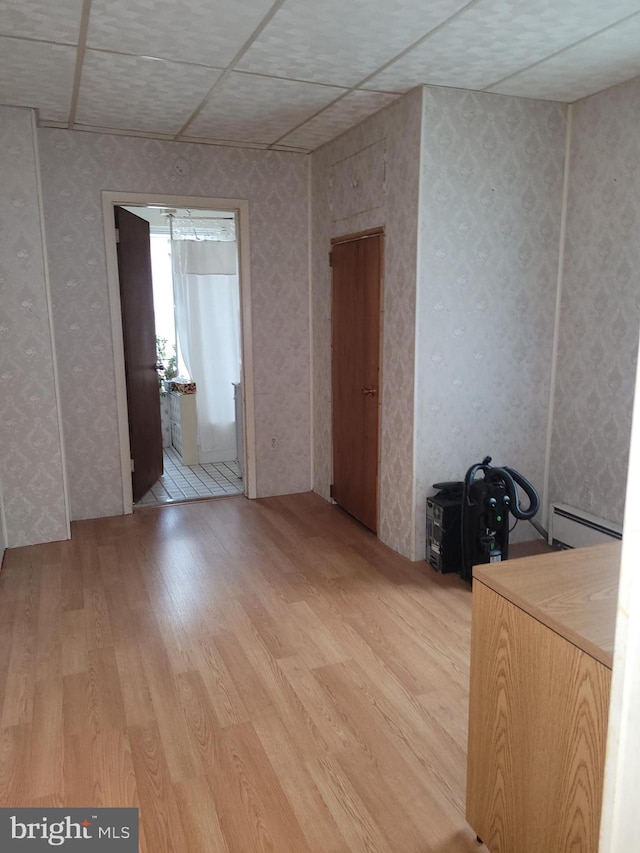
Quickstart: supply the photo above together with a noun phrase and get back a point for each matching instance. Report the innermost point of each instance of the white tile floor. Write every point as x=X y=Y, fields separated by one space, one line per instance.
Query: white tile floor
x=186 y=483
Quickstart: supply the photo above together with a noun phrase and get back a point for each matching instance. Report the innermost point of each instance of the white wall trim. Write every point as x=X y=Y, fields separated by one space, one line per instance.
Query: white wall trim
x=556 y=322
x=52 y=341
x=416 y=345
x=239 y=206
x=3 y=526
x=619 y=826
x=312 y=455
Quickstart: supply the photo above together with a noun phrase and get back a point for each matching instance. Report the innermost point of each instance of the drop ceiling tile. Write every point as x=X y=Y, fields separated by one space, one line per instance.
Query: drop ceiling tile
x=195 y=31
x=337 y=118
x=140 y=93
x=497 y=38
x=342 y=43
x=604 y=60
x=249 y=108
x=49 y=20
x=36 y=74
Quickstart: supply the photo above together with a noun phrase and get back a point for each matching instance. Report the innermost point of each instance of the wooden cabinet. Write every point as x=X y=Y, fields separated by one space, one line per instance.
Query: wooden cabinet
x=541 y=655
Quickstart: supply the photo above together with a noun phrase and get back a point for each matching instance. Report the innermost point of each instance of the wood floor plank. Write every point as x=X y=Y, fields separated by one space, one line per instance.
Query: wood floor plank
x=46 y=746
x=15 y=783
x=97 y=618
x=48 y=658
x=253 y=809
x=179 y=752
x=384 y=801
x=245 y=678
x=159 y=811
x=17 y=705
x=202 y=722
x=136 y=696
x=313 y=815
x=253 y=675
x=398 y=751
x=333 y=725
x=354 y=820
x=71 y=585
x=74 y=652
x=281 y=694
x=199 y=818
x=225 y=699
x=114 y=781
x=327 y=644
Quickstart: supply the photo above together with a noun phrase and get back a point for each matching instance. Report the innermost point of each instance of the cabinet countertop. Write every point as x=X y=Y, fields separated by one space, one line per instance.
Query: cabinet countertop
x=574 y=593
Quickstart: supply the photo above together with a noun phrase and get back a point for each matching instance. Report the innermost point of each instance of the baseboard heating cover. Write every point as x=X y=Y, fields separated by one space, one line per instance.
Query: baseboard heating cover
x=576 y=529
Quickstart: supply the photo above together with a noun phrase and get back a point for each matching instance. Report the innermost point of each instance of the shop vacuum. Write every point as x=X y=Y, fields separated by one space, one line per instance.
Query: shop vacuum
x=468 y=521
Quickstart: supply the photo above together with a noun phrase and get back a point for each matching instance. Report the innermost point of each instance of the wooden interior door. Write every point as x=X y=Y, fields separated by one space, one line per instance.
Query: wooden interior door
x=139 y=337
x=356 y=294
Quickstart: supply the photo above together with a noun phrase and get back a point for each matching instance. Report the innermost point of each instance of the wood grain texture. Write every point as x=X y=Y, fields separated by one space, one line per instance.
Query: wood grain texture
x=355 y=375
x=253 y=675
x=572 y=592
x=537 y=733
x=140 y=354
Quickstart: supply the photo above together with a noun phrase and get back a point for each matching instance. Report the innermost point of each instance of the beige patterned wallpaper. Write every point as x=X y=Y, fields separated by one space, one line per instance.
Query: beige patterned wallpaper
x=76 y=167
x=600 y=311
x=30 y=444
x=366 y=178
x=490 y=221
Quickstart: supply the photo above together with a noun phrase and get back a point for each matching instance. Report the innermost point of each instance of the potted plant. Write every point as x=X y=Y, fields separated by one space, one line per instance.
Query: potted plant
x=168 y=362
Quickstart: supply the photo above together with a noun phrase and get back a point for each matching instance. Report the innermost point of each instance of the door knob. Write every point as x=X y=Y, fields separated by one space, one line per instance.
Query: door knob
x=369 y=391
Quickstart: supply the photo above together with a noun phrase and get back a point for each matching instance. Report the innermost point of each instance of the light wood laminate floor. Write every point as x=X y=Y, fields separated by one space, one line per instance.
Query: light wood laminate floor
x=253 y=675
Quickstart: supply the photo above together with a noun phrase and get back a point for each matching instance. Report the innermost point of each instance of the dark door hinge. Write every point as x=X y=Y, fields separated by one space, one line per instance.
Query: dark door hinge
x=330 y=259
x=331 y=488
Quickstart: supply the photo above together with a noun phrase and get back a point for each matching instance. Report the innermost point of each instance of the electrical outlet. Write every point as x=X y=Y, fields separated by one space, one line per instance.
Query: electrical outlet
x=274 y=442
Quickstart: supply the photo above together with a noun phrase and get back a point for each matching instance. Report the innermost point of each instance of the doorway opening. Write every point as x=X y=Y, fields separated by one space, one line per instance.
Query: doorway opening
x=196 y=298
x=200 y=366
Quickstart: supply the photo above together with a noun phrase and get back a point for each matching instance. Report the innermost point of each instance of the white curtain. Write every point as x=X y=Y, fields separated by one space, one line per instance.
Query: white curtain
x=207 y=303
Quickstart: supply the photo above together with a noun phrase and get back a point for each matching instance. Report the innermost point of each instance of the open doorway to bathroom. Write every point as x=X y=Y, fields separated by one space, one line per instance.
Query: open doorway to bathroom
x=194 y=271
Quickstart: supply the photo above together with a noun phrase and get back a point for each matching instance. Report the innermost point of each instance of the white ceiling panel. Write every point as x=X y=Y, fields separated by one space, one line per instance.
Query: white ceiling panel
x=347 y=112
x=341 y=43
x=37 y=74
x=50 y=20
x=206 y=31
x=277 y=66
x=259 y=109
x=496 y=38
x=604 y=60
x=139 y=93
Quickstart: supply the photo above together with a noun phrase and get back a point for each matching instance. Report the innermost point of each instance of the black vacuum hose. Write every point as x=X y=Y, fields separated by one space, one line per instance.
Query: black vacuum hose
x=510 y=477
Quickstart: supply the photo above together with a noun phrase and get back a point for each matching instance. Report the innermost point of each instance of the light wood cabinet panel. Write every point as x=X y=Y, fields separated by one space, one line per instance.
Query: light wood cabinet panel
x=537 y=727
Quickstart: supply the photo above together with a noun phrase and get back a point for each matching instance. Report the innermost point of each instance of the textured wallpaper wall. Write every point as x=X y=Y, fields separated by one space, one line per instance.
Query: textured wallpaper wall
x=30 y=448
x=600 y=310
x=366 y=178
x=490 y=217
x=76 y=167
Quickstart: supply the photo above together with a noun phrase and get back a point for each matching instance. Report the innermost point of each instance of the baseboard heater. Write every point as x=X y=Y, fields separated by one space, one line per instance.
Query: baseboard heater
x=574 y=528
